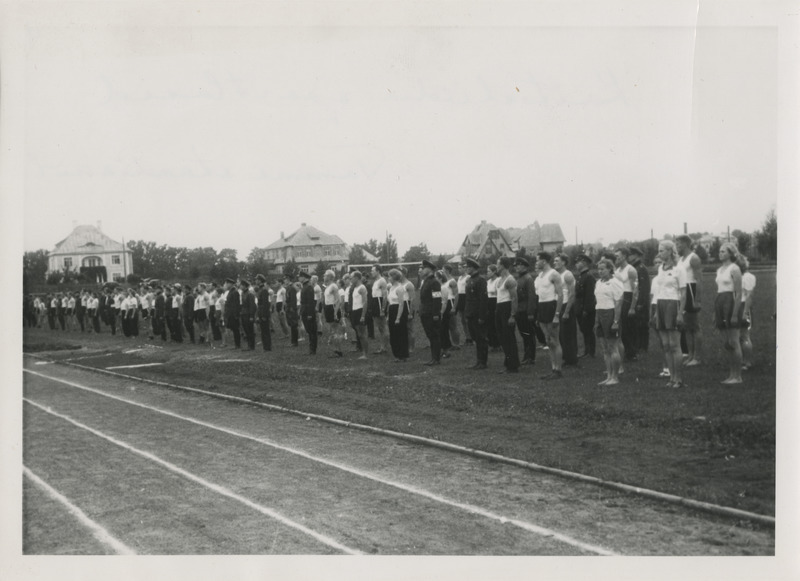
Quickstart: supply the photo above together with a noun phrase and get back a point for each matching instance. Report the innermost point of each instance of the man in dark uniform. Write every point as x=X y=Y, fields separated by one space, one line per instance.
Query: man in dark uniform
x=174 y=314
x=233 y=307
x=585 y=304
x=476 y=311
x=159 y=314
x=525 y=316
x=642 y=316
x=187 y=308
x=308 y=312
x=248 y=313
x=290 y=306
x=430 y=309
x=108 y=310
x=264 y=312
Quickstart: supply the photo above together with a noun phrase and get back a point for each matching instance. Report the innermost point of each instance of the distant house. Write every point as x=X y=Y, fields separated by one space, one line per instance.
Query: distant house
x=535 y=238
x=307 y=246
x=484 y=241
x=87 y=250
x=707 y=241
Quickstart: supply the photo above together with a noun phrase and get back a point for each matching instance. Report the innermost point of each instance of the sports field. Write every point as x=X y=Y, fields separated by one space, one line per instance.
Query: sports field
x=706 y=442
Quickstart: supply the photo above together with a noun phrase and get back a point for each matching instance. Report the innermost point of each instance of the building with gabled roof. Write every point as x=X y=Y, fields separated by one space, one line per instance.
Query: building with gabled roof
x=535 y=238
x=307 y=246
x=88 y=250
x=484 y=241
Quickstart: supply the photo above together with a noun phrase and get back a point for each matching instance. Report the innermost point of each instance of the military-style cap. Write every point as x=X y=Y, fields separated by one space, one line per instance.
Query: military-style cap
x=230 y=280
x=261 y=278
x=521 y=262
x=428 y=264
x=583 y=258
x=636 y=250
x=244 y=281
x=472 y=262
x=303 y=274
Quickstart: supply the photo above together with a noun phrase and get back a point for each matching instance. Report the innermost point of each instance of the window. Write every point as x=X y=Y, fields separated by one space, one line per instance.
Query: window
x=115 y=259
x=327 y=251
x=68 y=262
x=304 y=268
x=117 y=276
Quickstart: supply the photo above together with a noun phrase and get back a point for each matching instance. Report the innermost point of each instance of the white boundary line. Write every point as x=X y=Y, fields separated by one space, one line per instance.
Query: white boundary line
x=132 y=366
x=100 y=533
x=210 y=485
x=726 y=511
x=545 y=532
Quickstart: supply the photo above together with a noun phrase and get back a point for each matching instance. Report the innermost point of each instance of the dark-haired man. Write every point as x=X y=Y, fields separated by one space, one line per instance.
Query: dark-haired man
x=691 y=335
x=629 y=278
x=585 y=304
x=308 y=311
x=476 y=310
x=525 y=315
x=642 y=306
x=551 y=297
x=568 y=329
x=430 y=308
x=264 y=312
x=247 y=313
x=504 y=314
x=233 y=309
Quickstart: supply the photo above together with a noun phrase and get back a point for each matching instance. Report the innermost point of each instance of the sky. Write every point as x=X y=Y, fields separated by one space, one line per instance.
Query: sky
x=226 y=135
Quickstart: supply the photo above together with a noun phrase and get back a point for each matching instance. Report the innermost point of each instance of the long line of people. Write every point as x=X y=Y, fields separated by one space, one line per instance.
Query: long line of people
x=547 y=307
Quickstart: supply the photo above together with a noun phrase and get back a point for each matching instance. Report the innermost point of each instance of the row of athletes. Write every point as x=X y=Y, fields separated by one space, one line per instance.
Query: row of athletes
x=552 y=305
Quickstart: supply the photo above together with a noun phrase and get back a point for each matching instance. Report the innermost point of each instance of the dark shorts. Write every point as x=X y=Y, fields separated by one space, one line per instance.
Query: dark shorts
x=376 y=306
x=604 y=318
x=462 y=303
x=329 y=314
x=200 y=316
x=667 y=315
x=356 y=317
x=546 y=312
x=723 y=310
x=691 y=292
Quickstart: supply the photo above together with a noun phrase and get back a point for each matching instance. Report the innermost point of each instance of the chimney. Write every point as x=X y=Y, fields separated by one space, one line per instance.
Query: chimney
x=99 y=224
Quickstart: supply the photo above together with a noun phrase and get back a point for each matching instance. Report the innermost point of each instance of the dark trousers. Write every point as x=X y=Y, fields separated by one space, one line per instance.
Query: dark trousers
x=444 y=328
x=526 y=329
x=642 y=330
x=51 y=320
x=249 y=329
x=159 y=328
x=433 y=332
x=188 y=324
x=133 y=324
x=291 y=320
x=126 y=328
x=96 y=323
x=508 y=336
x=586 y=325
x=628 y=332
x=478 y=333
x=216 y=333
x=568 y=336
x=112 y=321
x=266 y=337
x=398 y=332
x=491 y=327
x=310 y=325
x=175 y=328
x=62 y=321
x=81 y=315
x=370 y=324
x=233 y=325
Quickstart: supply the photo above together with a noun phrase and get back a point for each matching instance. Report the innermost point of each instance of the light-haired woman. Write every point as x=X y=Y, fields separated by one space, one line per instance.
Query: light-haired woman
x=608 y=292
x=726 y=309
x=670 y=305
x=398 y=316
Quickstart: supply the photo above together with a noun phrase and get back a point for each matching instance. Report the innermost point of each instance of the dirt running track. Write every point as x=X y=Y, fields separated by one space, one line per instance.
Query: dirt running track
x=115 y=465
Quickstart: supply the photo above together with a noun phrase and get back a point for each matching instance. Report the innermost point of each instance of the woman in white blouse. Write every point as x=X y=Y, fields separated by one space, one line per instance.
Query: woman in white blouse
x=726 y=309
x=608 y=294
x=398 y=316
x=745 y=315
x=670 y=289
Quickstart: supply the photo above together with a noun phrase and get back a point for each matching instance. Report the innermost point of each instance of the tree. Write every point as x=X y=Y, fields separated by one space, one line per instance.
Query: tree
x=701 y=253
x=768 y=236
x=320 y=269
x=743 y=240
x=417 y=253
x=713 y=250
x=387 y=251
x=291 y=269
x=356 y=256
x=34 y=267
x=201 y=262
x=257 y=262
x=226 y=265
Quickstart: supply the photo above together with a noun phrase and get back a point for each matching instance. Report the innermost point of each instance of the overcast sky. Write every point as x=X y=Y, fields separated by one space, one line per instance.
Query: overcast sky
x=224 y=136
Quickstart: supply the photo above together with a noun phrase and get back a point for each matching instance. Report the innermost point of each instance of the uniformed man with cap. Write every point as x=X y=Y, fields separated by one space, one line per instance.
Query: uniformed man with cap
x=233 y=309
x=188 y=311
x=159 y=314
x=430 y=308
x=585 y=304
x=476 y=311
x=308 y=311
x=642 y=316
x=247 y=313
x=264 y=312
x=526 y=310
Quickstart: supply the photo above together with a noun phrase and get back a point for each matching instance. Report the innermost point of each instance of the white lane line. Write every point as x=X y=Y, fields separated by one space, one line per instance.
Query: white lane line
x=87 y=357
x=43 y=362
x=411 y=489
x=100 y=533
x=230 y=360
x=132 y=366
x=133 y=350
x=210 y=485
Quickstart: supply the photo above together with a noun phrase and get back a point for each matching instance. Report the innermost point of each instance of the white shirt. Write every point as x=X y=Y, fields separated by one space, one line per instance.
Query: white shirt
x=670 y=282
x=397 y=294
x=748 y=285
x=462 y=284
x=331 y=292
x=377 y=290
x=684 y=262
x=607 y=292
x=93 y=303
x=725 y=278
x=503 y=294
x=358 y=298
x=71 y=303
x=343 y=295
x=491 y=288
x=623 y=275
x=281 y=295
x=545 y=288
x=317 y=292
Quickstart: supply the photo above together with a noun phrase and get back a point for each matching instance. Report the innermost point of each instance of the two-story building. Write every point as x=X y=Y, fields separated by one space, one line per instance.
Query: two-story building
x=307 y=246
x=87 y=250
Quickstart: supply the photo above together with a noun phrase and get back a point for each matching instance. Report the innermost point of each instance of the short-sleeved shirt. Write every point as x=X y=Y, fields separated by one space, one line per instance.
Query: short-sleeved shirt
x=669 y=282
x=607 y=292
x=748 y=285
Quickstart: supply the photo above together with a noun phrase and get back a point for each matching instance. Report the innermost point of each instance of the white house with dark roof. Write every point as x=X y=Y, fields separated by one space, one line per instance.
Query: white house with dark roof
x=535 y=238
x=88 y=248
x=307 y=246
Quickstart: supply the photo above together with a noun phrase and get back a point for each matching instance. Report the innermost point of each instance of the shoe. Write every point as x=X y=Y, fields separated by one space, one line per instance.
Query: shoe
x=526 y=362
x=479 y=366
x=445 y=356
x=555 y=374
x=431 y=362
x=664 y=373
x=582 y=356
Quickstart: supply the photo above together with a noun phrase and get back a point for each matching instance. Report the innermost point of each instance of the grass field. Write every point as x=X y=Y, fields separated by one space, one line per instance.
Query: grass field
x=709 y=442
